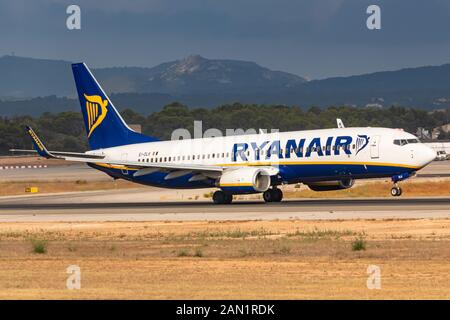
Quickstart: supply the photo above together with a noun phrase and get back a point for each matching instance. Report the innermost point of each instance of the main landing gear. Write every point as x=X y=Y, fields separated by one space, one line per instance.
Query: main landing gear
x=396 y=191
x=273 y=195
x=220 y=197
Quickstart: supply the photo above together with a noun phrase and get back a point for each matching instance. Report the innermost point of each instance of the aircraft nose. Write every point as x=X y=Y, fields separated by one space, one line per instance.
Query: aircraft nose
x=428 y=154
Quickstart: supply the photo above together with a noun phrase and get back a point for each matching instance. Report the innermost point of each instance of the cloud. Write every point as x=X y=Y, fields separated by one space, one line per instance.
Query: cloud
x=291 y=35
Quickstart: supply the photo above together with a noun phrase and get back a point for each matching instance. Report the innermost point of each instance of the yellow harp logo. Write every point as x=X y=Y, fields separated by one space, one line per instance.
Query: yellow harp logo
x=96 y=111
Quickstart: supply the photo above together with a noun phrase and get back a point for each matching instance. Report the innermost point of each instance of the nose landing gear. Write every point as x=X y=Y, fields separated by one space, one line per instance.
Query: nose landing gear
x=273 y=195
x=396 y=191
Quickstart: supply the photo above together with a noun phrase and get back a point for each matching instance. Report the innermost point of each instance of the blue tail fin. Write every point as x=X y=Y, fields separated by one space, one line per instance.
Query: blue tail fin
x=104 y=125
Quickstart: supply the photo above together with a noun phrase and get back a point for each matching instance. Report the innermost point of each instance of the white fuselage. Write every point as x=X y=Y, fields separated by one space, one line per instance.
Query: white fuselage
x=271 y=149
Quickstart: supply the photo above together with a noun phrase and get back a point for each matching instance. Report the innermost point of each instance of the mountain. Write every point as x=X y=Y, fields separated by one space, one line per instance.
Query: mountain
x=200 y=82
x=26 y=77
x=426 y=87
x=197 y=75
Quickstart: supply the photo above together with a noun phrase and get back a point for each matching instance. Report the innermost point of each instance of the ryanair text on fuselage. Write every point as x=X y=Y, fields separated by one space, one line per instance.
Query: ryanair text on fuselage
x=267 y=149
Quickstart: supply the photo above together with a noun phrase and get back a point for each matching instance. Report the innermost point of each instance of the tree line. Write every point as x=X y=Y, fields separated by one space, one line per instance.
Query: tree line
x=65 y=131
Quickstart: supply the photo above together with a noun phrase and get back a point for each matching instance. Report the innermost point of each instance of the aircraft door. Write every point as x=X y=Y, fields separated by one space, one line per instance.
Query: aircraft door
x=375 y=147
x=124 y=158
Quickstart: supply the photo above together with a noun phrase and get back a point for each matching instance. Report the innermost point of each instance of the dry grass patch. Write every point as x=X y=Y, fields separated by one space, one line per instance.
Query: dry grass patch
x=383 y=229
x=18 y=187
x=319 y=234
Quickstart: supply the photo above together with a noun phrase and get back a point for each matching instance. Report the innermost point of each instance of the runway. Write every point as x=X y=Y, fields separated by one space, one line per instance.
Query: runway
x=130 y=205
x=153 y=204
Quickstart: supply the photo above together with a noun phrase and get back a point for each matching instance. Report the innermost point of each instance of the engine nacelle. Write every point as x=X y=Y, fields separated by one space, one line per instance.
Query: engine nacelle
x=244 y=180
x=331 y=185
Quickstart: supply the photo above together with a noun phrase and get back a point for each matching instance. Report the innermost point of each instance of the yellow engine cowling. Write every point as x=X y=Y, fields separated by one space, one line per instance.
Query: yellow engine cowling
x=244 y=180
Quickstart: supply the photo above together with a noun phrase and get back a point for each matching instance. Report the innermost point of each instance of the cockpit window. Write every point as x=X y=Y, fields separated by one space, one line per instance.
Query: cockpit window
x=402 y=142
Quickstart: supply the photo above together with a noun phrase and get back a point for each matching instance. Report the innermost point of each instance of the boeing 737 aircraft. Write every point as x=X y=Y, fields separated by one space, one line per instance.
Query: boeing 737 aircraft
x=328 y=159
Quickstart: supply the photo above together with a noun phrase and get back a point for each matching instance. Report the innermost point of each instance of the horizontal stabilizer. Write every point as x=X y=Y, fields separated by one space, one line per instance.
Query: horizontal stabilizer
x=62 y=154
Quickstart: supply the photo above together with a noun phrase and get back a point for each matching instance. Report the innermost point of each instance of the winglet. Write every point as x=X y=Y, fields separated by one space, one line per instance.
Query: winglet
x=38 y=145
x=340 y=123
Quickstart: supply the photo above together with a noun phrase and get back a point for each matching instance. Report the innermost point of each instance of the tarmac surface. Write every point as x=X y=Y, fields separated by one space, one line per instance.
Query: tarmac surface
x=146 y=204
x=143 y=205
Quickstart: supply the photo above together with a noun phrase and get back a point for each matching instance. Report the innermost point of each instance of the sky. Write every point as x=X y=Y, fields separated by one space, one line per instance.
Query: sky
x=315 y=39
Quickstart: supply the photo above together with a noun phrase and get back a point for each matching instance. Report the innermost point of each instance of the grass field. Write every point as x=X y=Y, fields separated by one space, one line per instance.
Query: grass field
x=225 y=260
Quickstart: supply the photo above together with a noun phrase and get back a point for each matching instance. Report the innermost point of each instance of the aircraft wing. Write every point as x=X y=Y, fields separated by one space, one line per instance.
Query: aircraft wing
x=142 y=168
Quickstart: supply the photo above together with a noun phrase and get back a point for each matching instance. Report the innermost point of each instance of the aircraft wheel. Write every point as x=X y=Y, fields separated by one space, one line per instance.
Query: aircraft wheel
x=268 y=196
x=277 y=195
x=228 y=198
x=396 y=191
x=273 y=195
x=219 y=197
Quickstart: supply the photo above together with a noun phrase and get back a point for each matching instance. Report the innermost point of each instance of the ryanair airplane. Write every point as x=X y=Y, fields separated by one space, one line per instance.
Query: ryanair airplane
x=328 y=159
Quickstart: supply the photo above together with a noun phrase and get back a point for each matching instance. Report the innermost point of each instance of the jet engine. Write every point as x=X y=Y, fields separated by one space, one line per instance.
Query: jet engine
x=331 y=185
